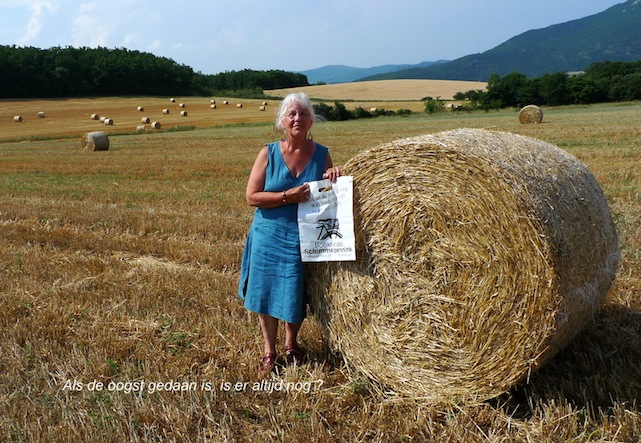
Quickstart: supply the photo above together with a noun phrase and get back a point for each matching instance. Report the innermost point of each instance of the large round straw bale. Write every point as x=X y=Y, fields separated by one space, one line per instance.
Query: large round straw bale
x=140 y=129
x=95 y=141
x=95 y=116
x=155 y=125
x=17 y=118
x=165 y=111
x=184 y=113
x=479 y=256
x=41 y=114
x=108 y=121
x=530 y=114
x=145 y=120
x=140 y=108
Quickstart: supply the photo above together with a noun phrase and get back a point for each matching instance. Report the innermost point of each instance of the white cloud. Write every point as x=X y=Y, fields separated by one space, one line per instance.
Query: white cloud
x=34 y=27
x=155 y=45
x=130 y=40
x=90 y=31
x=87 y=7
x=91 y=27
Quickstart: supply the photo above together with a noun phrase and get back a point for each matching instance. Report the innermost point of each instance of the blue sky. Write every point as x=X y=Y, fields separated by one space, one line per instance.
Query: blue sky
x=214 y=36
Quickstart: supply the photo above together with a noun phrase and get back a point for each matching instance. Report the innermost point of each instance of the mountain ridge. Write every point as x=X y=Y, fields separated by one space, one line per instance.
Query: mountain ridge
x=611 y=35
x=345 y=74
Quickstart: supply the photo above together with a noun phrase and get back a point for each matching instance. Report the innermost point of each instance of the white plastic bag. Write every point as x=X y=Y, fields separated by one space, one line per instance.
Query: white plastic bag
x=326 y=221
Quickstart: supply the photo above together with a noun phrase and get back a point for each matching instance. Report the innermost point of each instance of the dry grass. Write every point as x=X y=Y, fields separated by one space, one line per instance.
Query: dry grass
x=385 y=90
x=121 y=266
x=67 y=117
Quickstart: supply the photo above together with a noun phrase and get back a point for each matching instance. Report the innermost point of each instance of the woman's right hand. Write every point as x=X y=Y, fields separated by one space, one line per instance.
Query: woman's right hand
x=298 y=194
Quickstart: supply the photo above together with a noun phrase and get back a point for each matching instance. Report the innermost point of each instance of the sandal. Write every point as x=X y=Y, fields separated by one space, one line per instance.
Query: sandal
x=294 y=355
x=267 y=363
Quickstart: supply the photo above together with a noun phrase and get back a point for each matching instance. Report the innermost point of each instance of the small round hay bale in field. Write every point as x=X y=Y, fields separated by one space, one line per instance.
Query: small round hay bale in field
x=95 y=116
x=212 y=106
x=95 y=141
x=155 y=125
x=239 y=105
x=181 y=105
x=225 y=102
x=140 y=108
x=102 y=119
x=184 y=113
x=262 y=108
x=41 y=114
x=173 y=100
x=165 y=111
x=530 y=114
x=140 y=129
x=479 y=256
x=17 y=118
x=212 y=102
x=145 y=120
x=108 y=121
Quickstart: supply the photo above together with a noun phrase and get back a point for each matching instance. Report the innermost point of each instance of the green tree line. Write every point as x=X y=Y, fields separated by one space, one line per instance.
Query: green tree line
x=28 y=72
x=599 y=83
x=339 y=112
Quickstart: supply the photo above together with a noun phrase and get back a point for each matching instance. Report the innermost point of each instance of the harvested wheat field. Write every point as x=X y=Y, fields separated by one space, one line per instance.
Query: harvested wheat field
x=66 y=117
x=119 y=317
x=385 y=90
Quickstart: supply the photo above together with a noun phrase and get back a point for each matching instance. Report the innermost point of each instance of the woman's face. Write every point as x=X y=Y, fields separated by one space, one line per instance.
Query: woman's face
x=298 y=121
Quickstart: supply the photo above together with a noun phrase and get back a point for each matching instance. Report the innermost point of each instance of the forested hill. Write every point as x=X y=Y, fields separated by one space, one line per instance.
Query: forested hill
x=28 y=72
x=612 y=35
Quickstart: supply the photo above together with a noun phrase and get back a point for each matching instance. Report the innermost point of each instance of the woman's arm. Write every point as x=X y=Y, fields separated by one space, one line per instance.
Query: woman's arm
x=256 y=195
x=331 y=172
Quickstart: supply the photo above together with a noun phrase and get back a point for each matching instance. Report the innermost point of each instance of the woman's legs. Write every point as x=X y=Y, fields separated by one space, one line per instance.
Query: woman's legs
x=293 y=354
x=269 y=328
x=291 y=334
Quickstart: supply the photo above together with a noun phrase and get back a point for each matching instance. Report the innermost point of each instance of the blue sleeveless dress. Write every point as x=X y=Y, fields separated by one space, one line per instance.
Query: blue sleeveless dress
x=272 y=273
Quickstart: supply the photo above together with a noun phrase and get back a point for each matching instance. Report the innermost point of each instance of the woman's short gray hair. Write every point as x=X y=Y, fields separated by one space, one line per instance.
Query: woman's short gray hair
x=292 y=99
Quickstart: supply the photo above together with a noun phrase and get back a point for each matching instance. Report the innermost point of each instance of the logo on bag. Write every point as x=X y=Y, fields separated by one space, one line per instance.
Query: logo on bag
x=328 y=229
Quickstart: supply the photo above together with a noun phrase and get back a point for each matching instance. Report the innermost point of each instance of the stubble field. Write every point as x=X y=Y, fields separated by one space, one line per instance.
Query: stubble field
x=120 y=320
x=386 y=90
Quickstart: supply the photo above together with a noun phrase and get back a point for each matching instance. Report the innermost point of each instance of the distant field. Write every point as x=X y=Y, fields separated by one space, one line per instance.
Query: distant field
x=69 y=117
x=387 y=90
x=73 y=116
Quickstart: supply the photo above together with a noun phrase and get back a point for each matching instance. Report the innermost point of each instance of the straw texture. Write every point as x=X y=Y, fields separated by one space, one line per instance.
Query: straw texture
x=95 y=141
x=479 y=256
x=530 y=114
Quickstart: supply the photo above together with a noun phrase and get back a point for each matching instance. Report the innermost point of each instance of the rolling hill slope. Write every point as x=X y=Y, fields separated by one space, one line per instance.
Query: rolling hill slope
x=612 y=35
x=342 y=74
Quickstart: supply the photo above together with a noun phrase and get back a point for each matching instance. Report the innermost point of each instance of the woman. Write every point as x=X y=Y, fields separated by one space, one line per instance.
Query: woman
x=272 y=272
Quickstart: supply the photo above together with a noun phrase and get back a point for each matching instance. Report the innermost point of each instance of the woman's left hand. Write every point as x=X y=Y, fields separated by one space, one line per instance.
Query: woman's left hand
x=332 y=173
